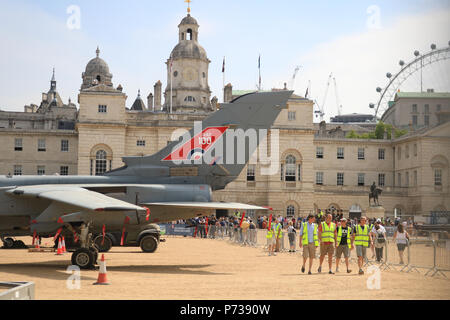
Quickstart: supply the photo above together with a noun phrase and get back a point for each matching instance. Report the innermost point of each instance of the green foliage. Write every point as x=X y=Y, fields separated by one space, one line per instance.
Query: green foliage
x=352 y=135
x=380 y=129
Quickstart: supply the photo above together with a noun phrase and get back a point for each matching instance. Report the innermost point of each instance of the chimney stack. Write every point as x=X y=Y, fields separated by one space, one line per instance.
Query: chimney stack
x=150 y=102
x=157 y=98
x=228 y=93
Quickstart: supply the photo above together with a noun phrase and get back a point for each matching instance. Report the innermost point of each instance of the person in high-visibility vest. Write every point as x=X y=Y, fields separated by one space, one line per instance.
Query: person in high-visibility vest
x=309 y=241
x=327 y=236
x=278 y=233
x=271 y=239
x=343 y=243
x=361 y=239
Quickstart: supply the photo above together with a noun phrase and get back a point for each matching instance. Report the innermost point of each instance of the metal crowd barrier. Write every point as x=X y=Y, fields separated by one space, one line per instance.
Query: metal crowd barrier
x=433 y=255
x=17 y=291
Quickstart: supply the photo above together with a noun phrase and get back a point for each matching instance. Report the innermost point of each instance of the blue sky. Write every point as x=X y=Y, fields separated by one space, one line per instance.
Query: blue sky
x=136 y=38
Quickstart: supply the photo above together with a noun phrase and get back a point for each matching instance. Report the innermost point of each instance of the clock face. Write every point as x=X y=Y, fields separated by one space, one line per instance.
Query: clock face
x=189 y=74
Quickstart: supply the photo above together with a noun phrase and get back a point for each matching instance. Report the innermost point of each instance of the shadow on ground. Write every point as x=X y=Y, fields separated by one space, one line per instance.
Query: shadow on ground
x=56 y=270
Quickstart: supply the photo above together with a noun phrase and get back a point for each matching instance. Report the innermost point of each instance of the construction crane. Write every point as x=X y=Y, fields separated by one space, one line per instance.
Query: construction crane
x=321 y=111
x=338 y=101
x=292 y=82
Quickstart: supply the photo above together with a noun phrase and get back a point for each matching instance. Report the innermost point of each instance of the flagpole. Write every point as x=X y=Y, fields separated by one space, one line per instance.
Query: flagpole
x=223 y=79
x=170 y=86
x=259 y=68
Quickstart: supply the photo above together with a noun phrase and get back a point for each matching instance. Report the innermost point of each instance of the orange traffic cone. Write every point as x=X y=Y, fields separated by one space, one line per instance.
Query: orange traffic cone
x=63 y=245
x=102 y=272
x=59 y=251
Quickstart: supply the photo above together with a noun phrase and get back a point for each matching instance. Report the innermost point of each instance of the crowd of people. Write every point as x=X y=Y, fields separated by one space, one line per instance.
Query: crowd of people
x=335 y=235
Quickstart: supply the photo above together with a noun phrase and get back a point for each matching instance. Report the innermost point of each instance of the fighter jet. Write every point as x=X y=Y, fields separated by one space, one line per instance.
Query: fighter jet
x=174 y=183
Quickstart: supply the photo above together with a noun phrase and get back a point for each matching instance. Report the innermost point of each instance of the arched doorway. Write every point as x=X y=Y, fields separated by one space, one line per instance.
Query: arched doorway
x=355 y=211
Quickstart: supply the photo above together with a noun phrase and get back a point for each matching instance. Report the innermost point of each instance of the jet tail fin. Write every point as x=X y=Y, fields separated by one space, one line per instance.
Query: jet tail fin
x=220 y=146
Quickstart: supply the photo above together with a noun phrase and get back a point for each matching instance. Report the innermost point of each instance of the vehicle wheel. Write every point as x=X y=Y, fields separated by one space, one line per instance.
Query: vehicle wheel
x=19 y=244
x=8 y=243
x=149 y=244
x=84 y=258
x=107 y=244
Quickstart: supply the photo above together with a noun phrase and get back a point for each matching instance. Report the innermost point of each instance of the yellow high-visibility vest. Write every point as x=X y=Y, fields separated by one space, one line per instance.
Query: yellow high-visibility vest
x=362 y=237
x=278 y=228
x=305 y=235
x=339 y=236
x=328 y=232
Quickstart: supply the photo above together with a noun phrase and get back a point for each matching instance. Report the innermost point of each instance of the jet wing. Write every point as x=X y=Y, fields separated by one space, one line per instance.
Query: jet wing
x=207 y=205
x=75 y=196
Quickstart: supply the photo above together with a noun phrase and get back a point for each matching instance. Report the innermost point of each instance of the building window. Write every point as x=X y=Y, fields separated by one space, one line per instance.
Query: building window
x=41 y=145
x=291 y=115
x=407 y=179
x=340 y=153
x=426 y=120
x=251 y=172
x=380 y=154
x=426 y=109
x=361 y=179
x=40 y=170
x=64 y=170
x=415 y=150
x=100 y=162
x=414 y=108
x=414 y=120
x=290 y=168
x=189 y=99
x=399 y=179
x=319 y=152
x=438 y=107
x=381 y=179
x=399 y=153
x=290 y=211
x=17 y=170
x=415 y=178
x=18 y=144
x=64 y=145
x=361 y=154
x=438 y=177
x=140 y=143
x=102 y=108
x=319 y=178
x=407 y=152
x=340 y=179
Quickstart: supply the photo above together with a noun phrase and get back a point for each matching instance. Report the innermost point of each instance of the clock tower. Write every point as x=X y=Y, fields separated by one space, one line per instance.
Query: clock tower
x=187 y=73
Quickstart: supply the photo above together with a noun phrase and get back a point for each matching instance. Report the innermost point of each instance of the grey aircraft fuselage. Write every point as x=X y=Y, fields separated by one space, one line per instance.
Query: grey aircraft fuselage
x=142 y=180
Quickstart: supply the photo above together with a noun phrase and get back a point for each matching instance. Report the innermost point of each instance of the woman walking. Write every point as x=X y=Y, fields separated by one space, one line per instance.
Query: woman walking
x=402 y=238
x=291 y=236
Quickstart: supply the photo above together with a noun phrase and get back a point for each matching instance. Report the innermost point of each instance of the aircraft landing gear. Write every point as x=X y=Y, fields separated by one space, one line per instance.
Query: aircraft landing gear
x=8 y=243
x=86 y=256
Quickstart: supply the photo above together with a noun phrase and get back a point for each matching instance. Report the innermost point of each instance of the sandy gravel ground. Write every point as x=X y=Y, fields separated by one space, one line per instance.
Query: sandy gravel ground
x=199 y=269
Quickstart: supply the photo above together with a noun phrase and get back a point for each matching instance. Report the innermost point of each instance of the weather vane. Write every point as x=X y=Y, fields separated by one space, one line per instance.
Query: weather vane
x=189 y=5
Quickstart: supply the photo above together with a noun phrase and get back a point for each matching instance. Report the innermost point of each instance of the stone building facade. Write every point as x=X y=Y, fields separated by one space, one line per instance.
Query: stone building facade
x=418 y=109
x=319 y=168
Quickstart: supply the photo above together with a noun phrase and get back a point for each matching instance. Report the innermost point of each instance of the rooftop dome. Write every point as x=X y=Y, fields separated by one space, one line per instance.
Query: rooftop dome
x=96 y=73
x=188 y=20
x=97 y=66
x=188 y=49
